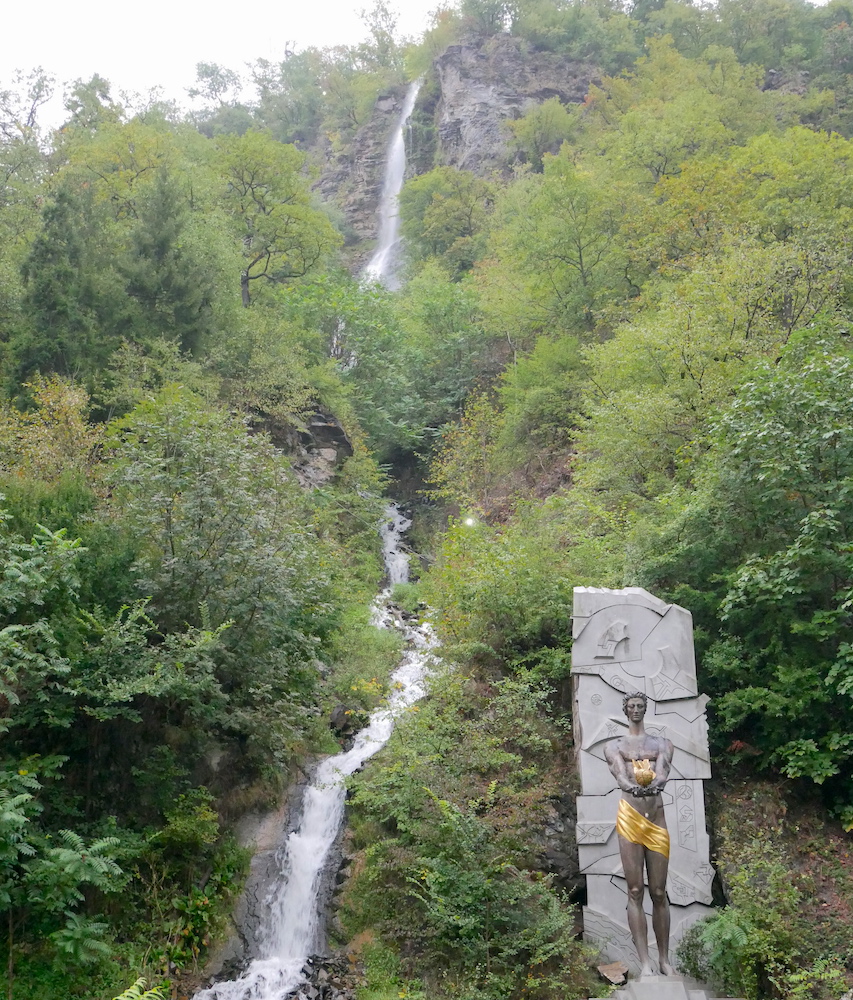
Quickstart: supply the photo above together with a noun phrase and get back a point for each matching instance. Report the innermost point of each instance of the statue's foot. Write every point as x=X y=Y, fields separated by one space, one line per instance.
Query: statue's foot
x=666 y=969
x=646 y=969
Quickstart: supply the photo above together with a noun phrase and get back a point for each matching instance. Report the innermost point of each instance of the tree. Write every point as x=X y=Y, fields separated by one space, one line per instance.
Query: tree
x=487 y=17
x=543 y=130
x=63 y=295
x=558 y=255
x=443 y=214
x=166 y=272
x=289 y=102
x=283 y=236
x=220 y=89
x=91 y=106
x=42 y=882
x=383 y=49
x=763 y=547
x=658 y=382
x=51 y=438
x=22 y=163
x=216 y=84
x=221 y=539
x=671 y=110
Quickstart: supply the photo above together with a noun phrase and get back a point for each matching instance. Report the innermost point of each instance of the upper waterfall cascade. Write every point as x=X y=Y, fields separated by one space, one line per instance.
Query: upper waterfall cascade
x=292 y=926
x=384 y=262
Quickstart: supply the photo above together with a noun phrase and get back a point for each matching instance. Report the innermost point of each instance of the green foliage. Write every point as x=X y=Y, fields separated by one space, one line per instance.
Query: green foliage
x=767 y=517
x=763 y=943
x=191 y=827
x=624 y=360
x=137 y=991
x=282 y=235
x=221 y=539
x=443 y=214
x=504 y=594
x=385 y=977
x=543 y=130
x=507 y=440
x=408 y=596
x=598 y=33
x=486 y=17
x=556 y=252
x=32 y=662
x=823 y=978
x=167 y=272
x=540 y=396
x=64 y=287
x=362 y=661
x=445 y=821
x=739 y=946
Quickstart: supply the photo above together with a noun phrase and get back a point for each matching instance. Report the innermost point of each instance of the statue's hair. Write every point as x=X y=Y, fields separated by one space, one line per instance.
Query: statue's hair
x=635 y=694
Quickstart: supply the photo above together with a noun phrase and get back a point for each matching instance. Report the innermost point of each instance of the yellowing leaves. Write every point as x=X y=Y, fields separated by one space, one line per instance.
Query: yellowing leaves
x=51 y=438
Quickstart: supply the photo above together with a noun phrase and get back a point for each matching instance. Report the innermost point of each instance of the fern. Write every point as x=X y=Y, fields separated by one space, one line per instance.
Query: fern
x=135 y=992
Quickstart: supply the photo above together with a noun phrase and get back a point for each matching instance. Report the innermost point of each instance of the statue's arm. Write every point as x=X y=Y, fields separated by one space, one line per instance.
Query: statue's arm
x=662 y=767
x=618 y=767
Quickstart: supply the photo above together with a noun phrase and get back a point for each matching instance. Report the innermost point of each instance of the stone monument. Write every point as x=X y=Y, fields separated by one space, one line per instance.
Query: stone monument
x=629 y=643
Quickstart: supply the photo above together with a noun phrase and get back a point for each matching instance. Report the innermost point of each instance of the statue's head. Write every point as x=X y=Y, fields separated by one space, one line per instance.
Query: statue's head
x=634 y=696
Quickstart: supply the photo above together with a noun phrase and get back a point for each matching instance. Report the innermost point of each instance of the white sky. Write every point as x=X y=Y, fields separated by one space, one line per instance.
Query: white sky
x=138 y=46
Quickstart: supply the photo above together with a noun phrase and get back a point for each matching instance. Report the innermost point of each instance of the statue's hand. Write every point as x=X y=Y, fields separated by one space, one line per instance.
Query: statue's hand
x=638 y=791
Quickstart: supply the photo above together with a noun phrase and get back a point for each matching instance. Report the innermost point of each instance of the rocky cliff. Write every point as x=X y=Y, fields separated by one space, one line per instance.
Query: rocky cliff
x=485 y=84
x=459 y=120
x=352 y=178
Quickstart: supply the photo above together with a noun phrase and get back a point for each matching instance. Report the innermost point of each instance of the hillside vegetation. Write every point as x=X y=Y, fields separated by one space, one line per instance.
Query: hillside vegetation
x=621 y=358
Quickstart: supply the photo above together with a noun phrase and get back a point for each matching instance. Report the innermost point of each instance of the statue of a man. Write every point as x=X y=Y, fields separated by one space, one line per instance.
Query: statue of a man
x=640 y=764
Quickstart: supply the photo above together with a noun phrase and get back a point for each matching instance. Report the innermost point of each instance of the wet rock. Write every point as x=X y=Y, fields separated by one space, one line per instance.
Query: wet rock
x=790 y=81
x=557 y=849
x=484 y=84
x=341 y=720
x=353 y=176
x=317 y=446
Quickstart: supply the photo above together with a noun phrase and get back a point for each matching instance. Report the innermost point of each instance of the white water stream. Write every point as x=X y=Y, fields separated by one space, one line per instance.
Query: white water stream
x=383 y=264
x=291 y=930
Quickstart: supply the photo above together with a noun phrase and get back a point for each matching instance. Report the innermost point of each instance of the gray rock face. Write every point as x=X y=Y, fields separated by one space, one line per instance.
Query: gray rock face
x=484 y=85
x=318 y=447
x=353 y=177
x=459 y=120
x=626 y=641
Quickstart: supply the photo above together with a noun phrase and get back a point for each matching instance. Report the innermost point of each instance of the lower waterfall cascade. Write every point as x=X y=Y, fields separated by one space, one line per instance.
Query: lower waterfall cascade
x=292 y=925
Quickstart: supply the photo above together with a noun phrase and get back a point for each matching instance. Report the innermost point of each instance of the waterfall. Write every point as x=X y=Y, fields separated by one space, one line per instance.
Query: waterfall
x=383 y=264
x=291 y=930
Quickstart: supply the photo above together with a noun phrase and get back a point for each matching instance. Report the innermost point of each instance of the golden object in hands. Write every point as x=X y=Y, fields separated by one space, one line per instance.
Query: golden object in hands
x=643 y=773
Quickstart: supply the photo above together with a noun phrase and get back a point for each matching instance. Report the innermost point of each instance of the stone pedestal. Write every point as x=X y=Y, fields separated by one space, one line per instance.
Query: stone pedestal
x=626 y=641
x=664 y=988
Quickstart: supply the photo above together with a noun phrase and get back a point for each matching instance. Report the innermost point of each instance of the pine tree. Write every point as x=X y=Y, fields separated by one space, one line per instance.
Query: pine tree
x=170 y=283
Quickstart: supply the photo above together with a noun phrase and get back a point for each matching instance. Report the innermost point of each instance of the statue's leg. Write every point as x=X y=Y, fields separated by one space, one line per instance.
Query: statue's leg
x=657 y=866
x=632 y=865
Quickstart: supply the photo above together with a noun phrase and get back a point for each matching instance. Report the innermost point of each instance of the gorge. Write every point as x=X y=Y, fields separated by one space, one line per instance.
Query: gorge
x=619 y=358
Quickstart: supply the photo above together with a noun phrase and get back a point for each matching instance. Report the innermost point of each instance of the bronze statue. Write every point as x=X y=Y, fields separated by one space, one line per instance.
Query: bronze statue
x=640 y=764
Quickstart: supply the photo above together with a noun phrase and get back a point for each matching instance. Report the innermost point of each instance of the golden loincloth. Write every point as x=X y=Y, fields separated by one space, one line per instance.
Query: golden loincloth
x=638 y=830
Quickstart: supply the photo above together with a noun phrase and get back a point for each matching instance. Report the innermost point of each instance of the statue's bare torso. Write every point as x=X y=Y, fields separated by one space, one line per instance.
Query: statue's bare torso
x=620 y=754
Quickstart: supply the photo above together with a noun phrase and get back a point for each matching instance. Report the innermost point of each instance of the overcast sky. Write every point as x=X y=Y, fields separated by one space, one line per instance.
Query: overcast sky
x=138 y=46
